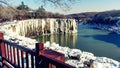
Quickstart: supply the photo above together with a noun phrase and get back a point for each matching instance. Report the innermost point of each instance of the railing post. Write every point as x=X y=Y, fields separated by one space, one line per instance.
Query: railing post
x=2 y=47
x=1 y=38
x=1 y=35
x=38 y=59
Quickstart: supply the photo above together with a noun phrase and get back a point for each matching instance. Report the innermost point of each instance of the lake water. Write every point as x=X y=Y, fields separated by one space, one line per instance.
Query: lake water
x=99 y=42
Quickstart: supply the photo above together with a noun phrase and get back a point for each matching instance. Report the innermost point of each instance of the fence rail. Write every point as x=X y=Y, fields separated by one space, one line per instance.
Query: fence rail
x=17 y=56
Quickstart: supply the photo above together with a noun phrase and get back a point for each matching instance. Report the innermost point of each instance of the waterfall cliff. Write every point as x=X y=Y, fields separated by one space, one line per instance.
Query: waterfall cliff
x=42 y=26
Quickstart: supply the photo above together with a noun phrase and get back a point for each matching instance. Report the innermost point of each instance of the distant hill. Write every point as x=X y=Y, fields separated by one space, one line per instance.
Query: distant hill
x=106 y=17
x=86 y=16
x=83 y=15
x=113 y=13
x=97 y=17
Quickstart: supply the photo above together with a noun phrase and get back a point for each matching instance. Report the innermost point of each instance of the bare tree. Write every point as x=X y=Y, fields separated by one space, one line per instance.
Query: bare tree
x=9 y=12
x=3 y=2
x=63 y=4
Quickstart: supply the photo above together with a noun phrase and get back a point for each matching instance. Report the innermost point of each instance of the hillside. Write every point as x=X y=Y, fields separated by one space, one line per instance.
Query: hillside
x=107 y=17
x=83 y=15
x=113 y=13
x=97 y=17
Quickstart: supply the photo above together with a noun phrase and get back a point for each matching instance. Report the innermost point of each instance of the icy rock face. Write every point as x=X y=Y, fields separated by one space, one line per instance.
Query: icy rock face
x=42 y=26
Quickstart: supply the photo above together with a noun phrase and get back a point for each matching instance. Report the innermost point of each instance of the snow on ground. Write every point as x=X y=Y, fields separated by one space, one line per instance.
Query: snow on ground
x=80 y=58
x=75 y=57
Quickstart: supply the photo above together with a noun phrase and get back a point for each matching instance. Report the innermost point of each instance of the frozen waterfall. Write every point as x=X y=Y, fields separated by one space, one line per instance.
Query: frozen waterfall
x=42 y=26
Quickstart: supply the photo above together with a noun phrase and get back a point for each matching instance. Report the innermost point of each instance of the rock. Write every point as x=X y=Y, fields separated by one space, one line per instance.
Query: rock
x=76 y=63
x=74 y=54
x=47 y=44
x=87 y=56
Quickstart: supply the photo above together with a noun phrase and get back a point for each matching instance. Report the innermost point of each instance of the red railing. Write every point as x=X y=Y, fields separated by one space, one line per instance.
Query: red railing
x=17 y=56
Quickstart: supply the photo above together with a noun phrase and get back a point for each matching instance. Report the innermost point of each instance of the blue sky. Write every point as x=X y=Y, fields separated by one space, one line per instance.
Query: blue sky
x=80 y=6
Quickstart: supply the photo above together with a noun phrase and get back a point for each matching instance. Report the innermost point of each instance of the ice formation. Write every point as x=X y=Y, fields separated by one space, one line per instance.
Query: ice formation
x=41 y=26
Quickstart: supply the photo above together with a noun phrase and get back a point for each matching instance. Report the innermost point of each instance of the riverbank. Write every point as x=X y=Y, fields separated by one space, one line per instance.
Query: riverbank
x=74 y=57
